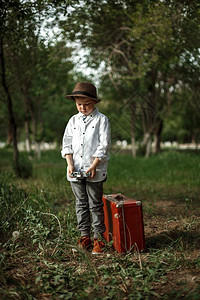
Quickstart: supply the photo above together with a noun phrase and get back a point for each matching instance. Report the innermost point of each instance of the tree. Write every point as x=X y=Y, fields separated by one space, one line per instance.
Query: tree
x=12 y=123
x=30 y=67
x=141 y=44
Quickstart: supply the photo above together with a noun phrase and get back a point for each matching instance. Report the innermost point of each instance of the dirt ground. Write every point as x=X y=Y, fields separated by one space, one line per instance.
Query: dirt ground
x=170 y=226
x=178 y=225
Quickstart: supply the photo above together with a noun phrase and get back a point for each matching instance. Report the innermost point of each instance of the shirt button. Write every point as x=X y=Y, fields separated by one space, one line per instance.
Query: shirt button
x=83 y=132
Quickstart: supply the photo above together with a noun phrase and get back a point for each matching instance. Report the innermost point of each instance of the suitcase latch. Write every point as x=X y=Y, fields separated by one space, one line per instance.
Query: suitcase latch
x=120 y=204
x=117 y=216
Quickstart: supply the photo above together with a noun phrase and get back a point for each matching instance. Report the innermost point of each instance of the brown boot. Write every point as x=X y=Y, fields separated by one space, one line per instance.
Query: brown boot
x=98 y=247
x=84 y=242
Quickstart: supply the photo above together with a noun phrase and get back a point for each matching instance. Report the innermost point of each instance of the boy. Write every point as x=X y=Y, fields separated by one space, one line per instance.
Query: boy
x=86 y=144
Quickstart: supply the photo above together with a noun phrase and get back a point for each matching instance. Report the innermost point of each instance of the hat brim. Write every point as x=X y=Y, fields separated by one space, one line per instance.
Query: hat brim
x=71 y=97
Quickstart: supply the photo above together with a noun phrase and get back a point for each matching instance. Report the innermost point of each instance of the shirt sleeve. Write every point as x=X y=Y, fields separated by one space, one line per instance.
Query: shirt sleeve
x=67 y=140
x=103 y=147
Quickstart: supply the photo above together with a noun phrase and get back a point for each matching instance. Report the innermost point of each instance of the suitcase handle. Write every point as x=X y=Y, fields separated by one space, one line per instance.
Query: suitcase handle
x=119 y=197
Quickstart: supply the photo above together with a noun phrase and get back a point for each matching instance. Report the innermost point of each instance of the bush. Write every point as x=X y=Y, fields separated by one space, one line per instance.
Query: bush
x=25 y=166
x=12 y=211
x=141 y=150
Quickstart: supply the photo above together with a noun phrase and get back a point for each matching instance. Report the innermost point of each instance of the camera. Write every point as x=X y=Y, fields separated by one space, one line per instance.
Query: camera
x=80 y=174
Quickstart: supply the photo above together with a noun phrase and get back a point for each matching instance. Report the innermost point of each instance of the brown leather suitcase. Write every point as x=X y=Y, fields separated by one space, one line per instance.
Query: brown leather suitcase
x=124 y=223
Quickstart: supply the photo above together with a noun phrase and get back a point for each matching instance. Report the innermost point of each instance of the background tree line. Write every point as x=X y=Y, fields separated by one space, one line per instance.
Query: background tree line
x=148 y=52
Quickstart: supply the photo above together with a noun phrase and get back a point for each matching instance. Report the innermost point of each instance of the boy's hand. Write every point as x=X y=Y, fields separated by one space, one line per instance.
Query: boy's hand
x=92 y=168
x=70 y=164
x=71 y=169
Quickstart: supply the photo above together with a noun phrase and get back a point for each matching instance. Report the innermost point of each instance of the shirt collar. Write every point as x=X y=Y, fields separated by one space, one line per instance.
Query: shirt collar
x=93 y=113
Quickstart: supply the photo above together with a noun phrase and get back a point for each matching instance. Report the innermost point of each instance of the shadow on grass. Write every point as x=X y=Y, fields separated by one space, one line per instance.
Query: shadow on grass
x=177 y=239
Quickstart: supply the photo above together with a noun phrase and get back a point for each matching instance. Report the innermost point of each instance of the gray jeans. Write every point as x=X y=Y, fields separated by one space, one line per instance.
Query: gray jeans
x=89 y=200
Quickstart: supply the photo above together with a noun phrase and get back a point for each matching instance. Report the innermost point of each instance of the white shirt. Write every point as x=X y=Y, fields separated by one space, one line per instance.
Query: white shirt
x=86 y=140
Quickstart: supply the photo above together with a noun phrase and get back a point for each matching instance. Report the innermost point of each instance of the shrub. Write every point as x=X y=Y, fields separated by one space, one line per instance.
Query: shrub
x=25 y=166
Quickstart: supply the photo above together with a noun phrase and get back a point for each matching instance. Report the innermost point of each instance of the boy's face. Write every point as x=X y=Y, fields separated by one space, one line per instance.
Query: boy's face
x=84 y=105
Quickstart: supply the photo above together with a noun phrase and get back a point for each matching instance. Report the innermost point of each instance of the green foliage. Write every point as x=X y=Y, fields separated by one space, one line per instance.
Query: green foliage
x=150 y=57
x=11 y=199
x=141 y=150
x=37 y=72
x=179 y=125
x=147 y=50
x=25 y=166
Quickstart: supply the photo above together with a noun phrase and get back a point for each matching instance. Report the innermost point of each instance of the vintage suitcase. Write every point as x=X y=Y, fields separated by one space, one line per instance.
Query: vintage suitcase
x=124 y=223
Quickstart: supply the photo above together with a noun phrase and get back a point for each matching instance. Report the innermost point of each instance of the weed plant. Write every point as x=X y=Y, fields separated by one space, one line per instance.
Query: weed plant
x=38 y=232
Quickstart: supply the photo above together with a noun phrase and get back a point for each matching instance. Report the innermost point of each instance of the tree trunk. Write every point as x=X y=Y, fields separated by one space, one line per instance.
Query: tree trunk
x=38 y=150
x=28 y=140
x=147 y=140
x=36 y=142
x=148 y=146
x=28 y=112
x=9 y=135
x=157 y=137
x=34 y=129
x=10 y=109
x=133 y=129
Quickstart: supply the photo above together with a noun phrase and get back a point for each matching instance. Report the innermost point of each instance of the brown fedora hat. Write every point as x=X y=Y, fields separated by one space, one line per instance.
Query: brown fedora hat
x=84 y=89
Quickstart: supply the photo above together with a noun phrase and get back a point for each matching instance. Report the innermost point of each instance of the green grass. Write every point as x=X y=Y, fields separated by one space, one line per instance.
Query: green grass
x=168 y=168
x=169 y=174
x=37 y=262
